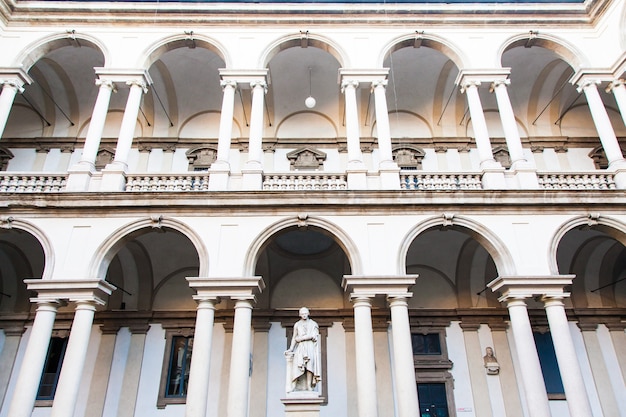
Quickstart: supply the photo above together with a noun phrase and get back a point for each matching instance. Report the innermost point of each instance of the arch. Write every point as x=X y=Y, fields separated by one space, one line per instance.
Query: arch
x=323 y=116
x=295 y=40
x=395 y=124
x=559 y=46
x=612 y=227
x=33 y=52
x=107 y=250
x=153 y=52
x=48 y=251
x=429 y=41
x=342 y=239
x=489 y=240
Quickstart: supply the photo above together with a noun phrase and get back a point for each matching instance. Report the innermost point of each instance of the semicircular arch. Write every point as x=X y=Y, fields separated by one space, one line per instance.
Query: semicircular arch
x=154 y=51
x=489 y=240
x=42 y=238
x=342 y=239
x=107 y=250
x=36 y=50
x=569 y=53
x=437 y=43
x=294 y=40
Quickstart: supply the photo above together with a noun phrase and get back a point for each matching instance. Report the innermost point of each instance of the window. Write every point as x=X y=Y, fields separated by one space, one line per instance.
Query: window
x=176 y=366
x=178 y=370
x=52 y=368
x=549 y=365
x=426 y=344
x=433 y=400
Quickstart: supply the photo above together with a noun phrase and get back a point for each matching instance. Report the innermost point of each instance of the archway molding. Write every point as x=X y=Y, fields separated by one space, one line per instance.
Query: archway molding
x=48 y=251
x=489 y=240
x=107 y=250
x=612 y=227
x=295 y=40
x=559 y=46
x=425 y=40
x=35 y=51
x=303 y=220
x=156 y=50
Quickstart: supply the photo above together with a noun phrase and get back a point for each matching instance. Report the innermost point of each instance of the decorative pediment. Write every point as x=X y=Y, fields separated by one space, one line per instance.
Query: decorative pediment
x=201 y=158
x=408 y=157
x=501 y=154
x=105 y=156
x=306 y=159
x=5 y=156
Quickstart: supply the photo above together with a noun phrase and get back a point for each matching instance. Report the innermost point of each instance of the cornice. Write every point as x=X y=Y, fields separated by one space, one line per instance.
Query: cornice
x=200 y=13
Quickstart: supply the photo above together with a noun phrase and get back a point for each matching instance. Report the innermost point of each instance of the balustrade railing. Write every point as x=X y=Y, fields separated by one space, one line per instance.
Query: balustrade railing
x=440 y=181
x=305 y=182
x=193 y=181
x=32 y=183
x=576 y=181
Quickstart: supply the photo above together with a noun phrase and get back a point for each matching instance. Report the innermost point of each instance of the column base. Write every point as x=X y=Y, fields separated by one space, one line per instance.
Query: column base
x=389 y=173
x=302 y=404
x=492 y=175
x=252 y=178
x=113 y=177
x=525 y=175
x=218 y=176
x=619 y=173
x=79 y=177
x=357 y=175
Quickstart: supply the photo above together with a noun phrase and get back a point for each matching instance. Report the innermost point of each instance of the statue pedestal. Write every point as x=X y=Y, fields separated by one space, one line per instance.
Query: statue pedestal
x=302 y=404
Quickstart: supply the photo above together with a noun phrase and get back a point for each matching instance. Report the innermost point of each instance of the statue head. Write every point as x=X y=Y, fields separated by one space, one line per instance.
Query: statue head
x=303 y=312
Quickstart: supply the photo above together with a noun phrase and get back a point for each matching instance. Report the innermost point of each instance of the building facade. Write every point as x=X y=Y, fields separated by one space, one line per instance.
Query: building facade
x=441 y=184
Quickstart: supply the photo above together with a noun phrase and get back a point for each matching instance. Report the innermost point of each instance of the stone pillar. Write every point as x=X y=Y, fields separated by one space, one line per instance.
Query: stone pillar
x=132 y=371
x=239 y=383
x=72 y=368
x=113 y=174
x=493 y=176
x=201 y=359
x=388 y=168
x=356 y=168
x=102 y=371
x=577 y=400
x=618 y=336
x=603 y=123
x=525 y=173
x=12 y=335
x=532 y=377
x=476 y=367
x=218 y=180
x=253 y=170
x=12 y=81
x=619 y=91
x=404 y=368
x=364 y=355
x=34 y=359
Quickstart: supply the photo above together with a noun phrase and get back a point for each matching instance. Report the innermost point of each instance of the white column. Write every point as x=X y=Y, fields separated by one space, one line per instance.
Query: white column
x=29 y=377
x=239 y=382
x=511 y=134
x=403 y=366
x=577 y=400
x=382 y=122
x=226 y=122
x=530 y=368
x=364 y=356
x=483 y=144
x=96 y=125
x=200 y=359
x=602 y=122
x=10 y=88
x=75 y=354
x=619 y=91
x=129 y=121
x=255 y=148
x=355 y=156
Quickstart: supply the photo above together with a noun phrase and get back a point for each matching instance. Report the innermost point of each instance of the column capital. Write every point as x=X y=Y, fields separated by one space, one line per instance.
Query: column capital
x=521 y=287
x=379 y=83
x=228 y=83
x=498 y=83
x=106 y=82
x=244 y=77
x=370 y=286
x=475 y=76
x=348 y=83
x=236 y=288
x=123 y=76
x=94 y=291
x=586 y=83
x=362 y=76
x=259 y=83
x=16 y=77
x=615 y=84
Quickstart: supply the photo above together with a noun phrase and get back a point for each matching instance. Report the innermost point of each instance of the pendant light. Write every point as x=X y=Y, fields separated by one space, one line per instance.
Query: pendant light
x=310 y=102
